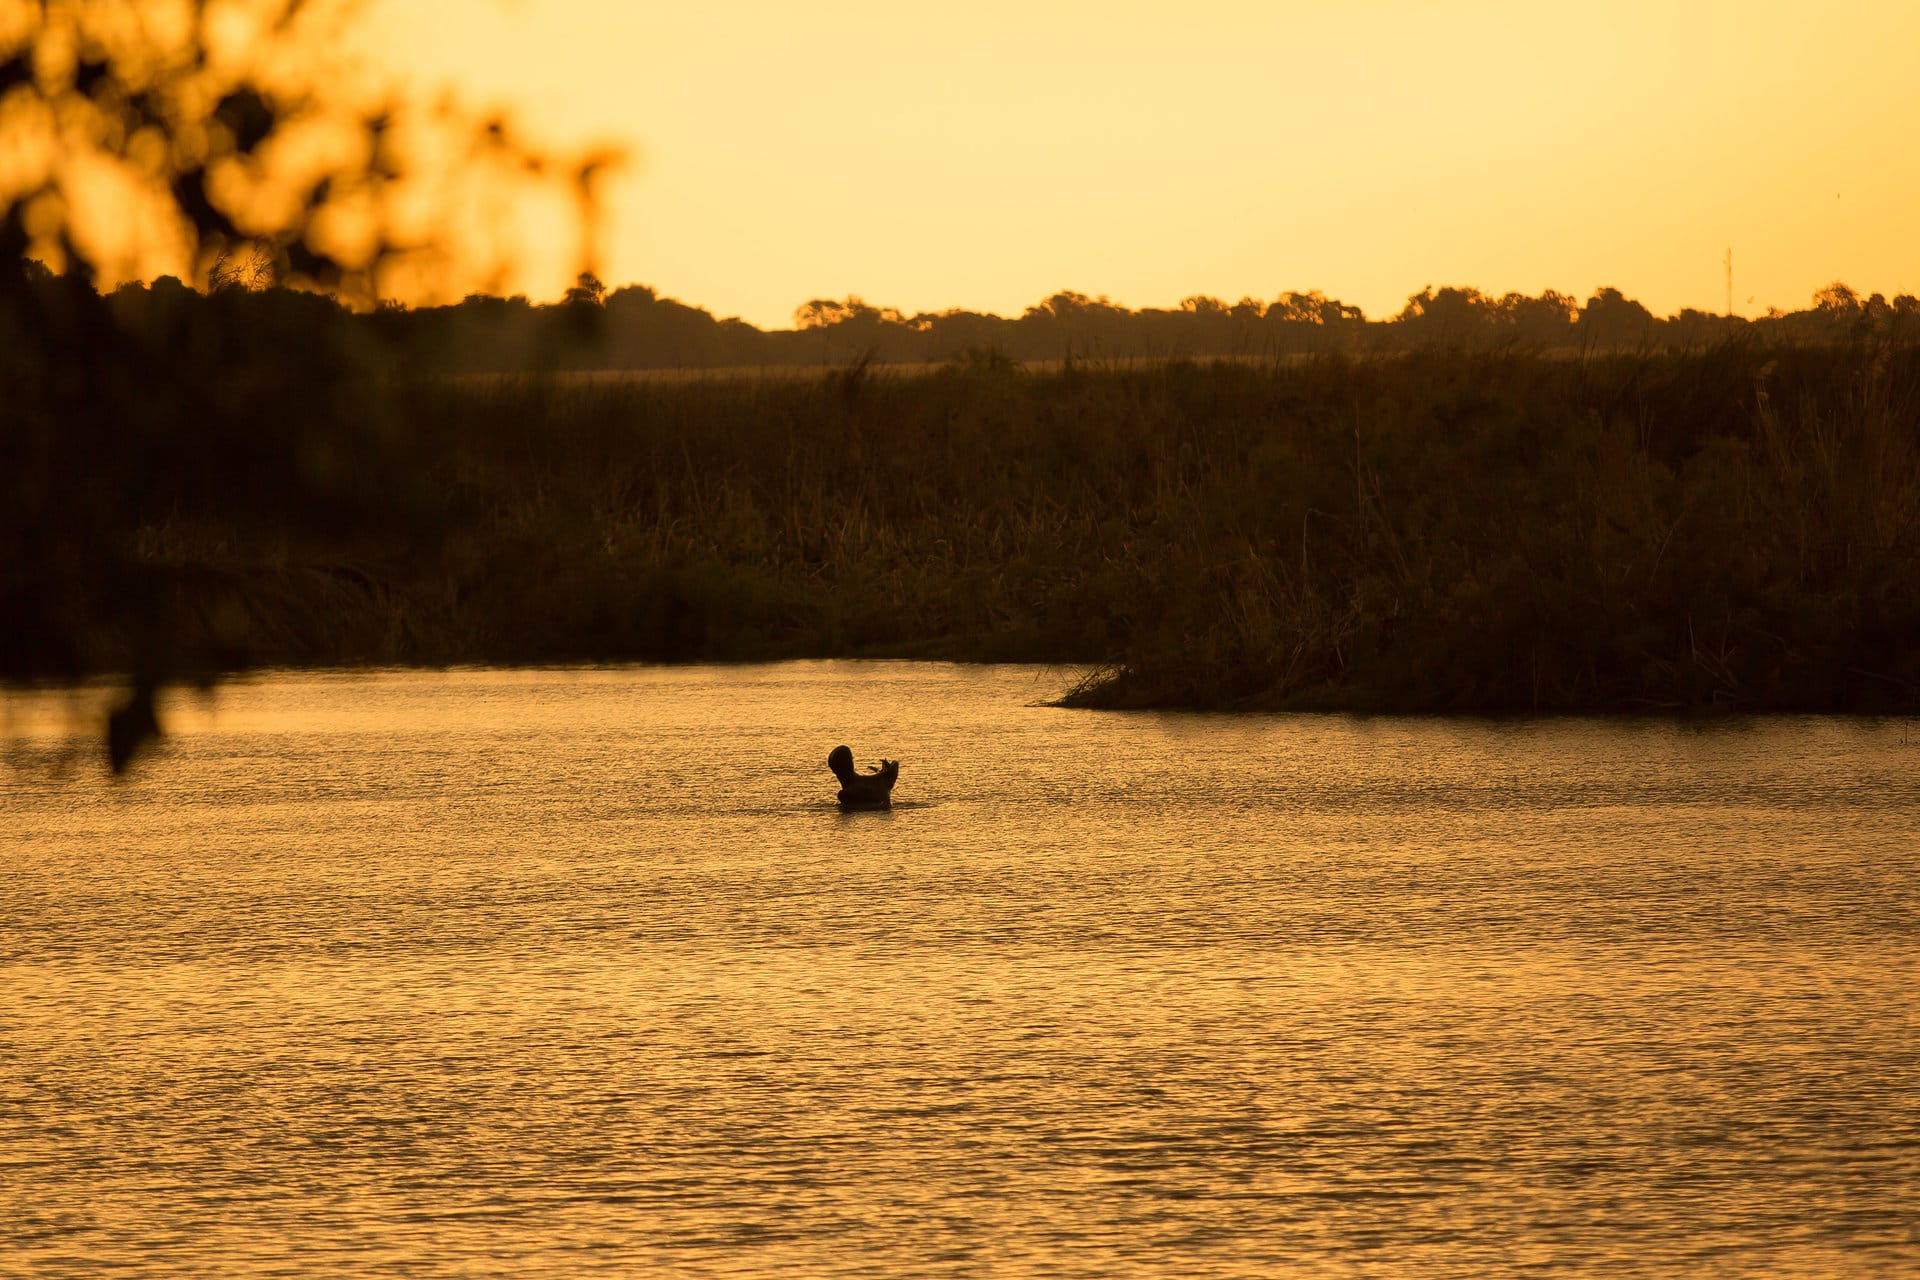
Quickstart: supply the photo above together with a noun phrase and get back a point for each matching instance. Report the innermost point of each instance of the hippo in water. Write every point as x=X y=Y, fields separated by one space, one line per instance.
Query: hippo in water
x=863 y=790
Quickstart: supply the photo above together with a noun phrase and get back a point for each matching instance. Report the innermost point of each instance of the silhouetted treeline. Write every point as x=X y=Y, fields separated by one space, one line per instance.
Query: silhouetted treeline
x=635 y=328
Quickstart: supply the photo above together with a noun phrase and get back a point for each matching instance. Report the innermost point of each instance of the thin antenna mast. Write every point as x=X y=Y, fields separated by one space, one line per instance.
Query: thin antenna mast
x=1729 y=281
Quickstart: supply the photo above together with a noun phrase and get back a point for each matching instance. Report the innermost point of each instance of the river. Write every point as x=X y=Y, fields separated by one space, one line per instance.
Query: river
x=566 y=973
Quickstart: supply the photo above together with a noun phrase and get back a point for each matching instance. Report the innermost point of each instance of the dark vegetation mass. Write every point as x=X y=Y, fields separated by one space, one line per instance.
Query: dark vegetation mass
x=1448 y=526
x=219 y=135
x=1481 y=504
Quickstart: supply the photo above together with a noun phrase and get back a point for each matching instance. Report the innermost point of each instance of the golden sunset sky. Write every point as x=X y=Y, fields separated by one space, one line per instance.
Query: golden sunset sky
x=988 y=154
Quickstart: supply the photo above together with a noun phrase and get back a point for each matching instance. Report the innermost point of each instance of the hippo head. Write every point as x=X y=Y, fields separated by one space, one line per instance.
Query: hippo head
x=841 y=762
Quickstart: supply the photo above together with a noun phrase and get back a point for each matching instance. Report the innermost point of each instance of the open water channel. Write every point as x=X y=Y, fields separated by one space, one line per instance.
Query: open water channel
x=563 y=973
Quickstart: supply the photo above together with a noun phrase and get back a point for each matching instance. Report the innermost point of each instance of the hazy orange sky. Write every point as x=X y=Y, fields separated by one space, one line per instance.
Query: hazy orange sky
x=986 y=155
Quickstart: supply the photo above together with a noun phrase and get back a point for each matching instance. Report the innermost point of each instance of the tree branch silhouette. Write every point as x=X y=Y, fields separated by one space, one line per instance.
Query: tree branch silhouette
x=209 y=135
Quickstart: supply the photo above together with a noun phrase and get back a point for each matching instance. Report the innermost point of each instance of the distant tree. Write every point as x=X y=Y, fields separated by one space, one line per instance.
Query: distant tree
x=1840 y=315
x=1545 y=321
x=1314 y=322
x=1612 y=320
x=1837 y=299
x=644 y=329
x=586 y=290
x=1693 y=328
x=632 y=295
x=951 y=334
x=1068 y=323
x=1313 y=308
x=818 y=313
x=854 y=329
x=1068 y=305
x=822 y=313
x=1448 y=316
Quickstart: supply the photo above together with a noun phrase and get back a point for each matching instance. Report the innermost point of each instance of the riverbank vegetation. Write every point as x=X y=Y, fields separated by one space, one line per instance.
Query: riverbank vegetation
x=1732 y=528
x=1738 y=528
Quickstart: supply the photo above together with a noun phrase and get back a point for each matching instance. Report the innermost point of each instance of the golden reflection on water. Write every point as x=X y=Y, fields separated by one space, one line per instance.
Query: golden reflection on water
x=562 y=973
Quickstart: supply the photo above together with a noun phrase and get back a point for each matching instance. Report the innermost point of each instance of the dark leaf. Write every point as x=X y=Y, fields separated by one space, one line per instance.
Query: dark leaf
x=248 y=115
x=190 y=194
x=303 y=262
x=16 y=71
x=91 y=75
x=147 y=109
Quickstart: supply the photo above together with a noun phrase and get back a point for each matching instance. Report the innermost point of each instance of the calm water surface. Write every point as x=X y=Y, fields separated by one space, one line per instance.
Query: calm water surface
x=544 y=974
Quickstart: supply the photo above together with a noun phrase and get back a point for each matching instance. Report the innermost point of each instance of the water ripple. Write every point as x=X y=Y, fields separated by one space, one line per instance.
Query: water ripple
x=575 y=973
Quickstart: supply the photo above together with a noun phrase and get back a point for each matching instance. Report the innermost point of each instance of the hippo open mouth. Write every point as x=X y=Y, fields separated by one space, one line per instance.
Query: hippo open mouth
x=872 y=790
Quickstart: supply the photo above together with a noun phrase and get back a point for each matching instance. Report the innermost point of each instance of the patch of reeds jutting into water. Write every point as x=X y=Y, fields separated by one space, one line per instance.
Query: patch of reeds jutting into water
x=1736 y=528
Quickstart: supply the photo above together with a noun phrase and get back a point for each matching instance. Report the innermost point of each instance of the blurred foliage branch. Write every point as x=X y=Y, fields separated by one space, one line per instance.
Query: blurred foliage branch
x=219 y=137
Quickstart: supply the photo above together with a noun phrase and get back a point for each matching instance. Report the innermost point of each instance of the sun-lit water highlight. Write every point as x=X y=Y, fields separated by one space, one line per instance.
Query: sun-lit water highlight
x=570 y=973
